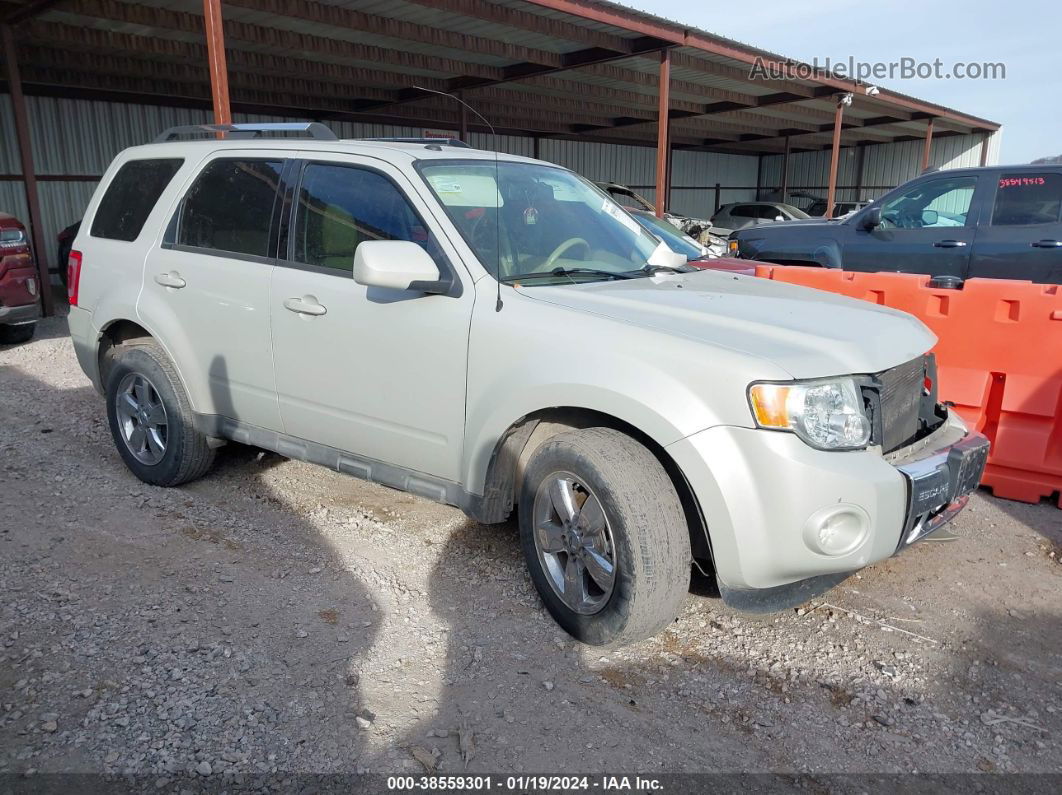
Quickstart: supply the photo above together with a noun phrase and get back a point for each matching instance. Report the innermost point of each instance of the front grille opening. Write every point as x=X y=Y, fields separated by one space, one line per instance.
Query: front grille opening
x=901 y=403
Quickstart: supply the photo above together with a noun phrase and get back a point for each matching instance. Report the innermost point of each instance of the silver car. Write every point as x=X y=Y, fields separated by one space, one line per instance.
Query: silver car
x=738 y=215
x=496 y=333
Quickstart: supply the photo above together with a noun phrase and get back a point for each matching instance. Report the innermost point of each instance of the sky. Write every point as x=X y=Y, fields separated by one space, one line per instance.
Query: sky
x=1021 y=34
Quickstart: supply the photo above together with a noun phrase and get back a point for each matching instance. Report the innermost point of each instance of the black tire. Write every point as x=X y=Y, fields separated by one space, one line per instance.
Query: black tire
x=650 y=537
x=187 y=453
x=13 y=335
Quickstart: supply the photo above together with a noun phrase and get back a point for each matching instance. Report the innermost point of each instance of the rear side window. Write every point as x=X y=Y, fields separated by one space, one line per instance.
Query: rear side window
x=1027 y=199
x=131 y=196
x=229 y=207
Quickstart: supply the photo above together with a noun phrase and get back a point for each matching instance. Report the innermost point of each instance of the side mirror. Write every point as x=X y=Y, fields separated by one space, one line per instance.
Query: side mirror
x=930 y=217
x=871 y=218
x=397 y=265
x=779 y=218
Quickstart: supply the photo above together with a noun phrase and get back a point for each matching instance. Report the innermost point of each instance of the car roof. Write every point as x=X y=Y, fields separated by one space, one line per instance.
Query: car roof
x=393 y=151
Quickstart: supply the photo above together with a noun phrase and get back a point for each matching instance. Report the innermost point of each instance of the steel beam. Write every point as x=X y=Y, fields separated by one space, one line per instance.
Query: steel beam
x=663 y=118
x=219 y=73
x=831 y=191
x=29 y=178
x=928 y=144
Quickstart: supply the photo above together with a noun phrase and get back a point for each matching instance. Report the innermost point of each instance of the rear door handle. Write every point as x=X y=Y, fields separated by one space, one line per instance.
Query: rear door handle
x=950 y=243
x=171 y=279
x=1047 y=244
x=307 y=305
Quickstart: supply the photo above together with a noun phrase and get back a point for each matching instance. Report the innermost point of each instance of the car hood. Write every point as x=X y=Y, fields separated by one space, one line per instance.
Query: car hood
x=805 y=222
x=808 y=333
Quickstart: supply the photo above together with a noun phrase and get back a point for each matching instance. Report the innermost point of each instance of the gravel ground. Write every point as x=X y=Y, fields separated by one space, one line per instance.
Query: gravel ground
x=276 y=617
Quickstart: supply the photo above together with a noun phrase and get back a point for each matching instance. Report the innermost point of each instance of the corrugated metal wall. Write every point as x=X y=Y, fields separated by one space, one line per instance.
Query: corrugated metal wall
x=80 y=137
x=884 y=166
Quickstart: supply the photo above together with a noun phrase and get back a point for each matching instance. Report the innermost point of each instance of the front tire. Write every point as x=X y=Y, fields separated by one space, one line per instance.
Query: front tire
x=604 y=536
x=151 y=418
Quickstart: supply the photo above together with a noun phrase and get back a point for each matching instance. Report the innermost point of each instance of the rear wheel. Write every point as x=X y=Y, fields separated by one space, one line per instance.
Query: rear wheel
x=151 y=418
x=604 y=536
x=12 y=335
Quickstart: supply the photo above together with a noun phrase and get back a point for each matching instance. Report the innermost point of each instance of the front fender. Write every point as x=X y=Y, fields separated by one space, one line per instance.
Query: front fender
x=534 y=355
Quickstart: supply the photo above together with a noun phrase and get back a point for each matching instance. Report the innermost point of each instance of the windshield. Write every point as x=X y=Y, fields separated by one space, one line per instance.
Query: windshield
x=676 y=240
x=525 y=220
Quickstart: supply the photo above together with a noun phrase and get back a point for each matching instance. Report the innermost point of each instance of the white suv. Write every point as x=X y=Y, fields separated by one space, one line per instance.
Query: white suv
x=495 y=333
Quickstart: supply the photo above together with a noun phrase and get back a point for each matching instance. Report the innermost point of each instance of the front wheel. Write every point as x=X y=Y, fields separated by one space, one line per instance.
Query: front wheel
x=605 y=536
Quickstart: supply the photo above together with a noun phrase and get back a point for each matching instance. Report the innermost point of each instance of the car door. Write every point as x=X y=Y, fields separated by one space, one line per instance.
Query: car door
x=927 y=227
x=206 y=288
x=379 y=373
x=1022 y=237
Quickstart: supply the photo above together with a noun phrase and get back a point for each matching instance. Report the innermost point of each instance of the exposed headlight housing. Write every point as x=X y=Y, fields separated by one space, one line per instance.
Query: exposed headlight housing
x=827 y=414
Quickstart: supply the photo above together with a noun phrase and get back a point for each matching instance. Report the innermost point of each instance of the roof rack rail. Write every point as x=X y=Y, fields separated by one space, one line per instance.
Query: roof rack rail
x=311 y=129
x=437 y=141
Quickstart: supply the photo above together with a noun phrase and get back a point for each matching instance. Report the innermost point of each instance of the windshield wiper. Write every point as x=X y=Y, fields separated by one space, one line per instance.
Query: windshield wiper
x=569 y=272
x=652 y=269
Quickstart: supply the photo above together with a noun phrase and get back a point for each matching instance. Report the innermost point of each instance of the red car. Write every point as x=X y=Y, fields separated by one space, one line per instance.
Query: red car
x=19 y=285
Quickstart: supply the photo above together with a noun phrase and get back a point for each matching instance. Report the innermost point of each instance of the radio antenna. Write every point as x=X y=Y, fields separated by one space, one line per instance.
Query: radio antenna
x=497 y=186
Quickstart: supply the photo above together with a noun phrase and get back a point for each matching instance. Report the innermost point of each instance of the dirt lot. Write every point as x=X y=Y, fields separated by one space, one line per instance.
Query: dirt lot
x=276 y=616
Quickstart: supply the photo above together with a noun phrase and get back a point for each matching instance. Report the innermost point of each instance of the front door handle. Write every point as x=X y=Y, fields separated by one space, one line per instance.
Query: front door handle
x=307 y=305
x=950 y=243
x=172 y=279
x=1047 y=244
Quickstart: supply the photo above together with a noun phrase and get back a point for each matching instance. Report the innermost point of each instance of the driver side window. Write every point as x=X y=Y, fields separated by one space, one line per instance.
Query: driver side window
x=936 y=203
x=339 y=206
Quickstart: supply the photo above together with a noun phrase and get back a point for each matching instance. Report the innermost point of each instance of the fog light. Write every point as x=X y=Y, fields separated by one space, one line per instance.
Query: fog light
x=836 y=529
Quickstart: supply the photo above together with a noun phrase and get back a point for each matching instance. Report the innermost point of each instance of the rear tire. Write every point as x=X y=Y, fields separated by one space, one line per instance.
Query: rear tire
x=13 y=335
x=643 y=536
x=151 y=418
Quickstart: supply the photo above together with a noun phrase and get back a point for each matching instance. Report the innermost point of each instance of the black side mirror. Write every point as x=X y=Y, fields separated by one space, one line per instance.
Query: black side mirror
x=871 y=218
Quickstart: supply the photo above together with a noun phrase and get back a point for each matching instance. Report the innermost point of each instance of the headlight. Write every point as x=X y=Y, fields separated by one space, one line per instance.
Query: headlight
x=826 y=414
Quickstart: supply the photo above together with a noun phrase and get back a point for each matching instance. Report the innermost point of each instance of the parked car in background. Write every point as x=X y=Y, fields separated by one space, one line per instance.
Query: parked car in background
x=817 y=209
x=738 y=215
x=298 y=295
x=677 y=240
x=19 y=285
x=1002 y=222
x=65 y=241
x=698 y=228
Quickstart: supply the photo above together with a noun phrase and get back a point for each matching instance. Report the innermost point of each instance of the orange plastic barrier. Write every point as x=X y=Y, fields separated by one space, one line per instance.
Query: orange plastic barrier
x=999 y=361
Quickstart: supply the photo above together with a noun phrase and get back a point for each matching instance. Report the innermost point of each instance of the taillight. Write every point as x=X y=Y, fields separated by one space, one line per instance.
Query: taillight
x=73 y=276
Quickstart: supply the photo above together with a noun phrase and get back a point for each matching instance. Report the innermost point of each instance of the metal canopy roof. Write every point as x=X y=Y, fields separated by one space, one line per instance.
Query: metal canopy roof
x=580 y=69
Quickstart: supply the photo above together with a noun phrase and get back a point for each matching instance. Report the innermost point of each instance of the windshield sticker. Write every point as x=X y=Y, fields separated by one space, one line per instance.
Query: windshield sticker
x=614 y=210
x=470 y=190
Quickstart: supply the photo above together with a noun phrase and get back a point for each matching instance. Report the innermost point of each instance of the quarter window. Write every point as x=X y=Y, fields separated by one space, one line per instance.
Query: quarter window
x=342 y=206
x=229 y=207
x=131 y=197
x=1027 y=199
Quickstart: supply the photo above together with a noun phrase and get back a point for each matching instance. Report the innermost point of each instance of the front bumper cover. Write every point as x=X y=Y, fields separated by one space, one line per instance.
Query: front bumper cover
x=940 y=483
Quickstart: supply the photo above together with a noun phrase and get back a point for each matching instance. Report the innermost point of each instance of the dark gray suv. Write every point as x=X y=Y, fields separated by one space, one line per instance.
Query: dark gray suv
x=1001 y=222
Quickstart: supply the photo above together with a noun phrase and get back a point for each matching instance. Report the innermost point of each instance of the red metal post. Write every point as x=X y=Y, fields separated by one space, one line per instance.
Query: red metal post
x=29 y=178
x=663 y=105
x=928 y=144
x=831 y=191
x=785 y=170
x=219 y=74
